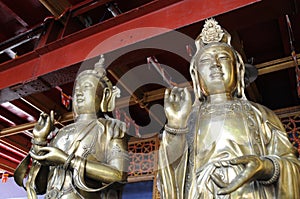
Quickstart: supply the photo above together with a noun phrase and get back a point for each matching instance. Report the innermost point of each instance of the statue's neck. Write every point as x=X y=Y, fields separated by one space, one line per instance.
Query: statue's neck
x=86 y=117
x=219 y=98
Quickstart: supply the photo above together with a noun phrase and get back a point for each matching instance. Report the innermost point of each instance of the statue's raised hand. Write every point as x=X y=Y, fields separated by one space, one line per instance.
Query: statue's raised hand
x=114 y=128
x=178 y=105
x=44 y=126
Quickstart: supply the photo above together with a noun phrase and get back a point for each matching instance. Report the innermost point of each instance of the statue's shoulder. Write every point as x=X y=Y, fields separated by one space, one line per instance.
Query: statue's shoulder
x=268 y=116
x=69 y=127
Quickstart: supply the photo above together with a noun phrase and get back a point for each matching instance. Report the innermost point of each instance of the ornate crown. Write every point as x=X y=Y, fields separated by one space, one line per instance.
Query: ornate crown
x=98 y=71
x=212 y=32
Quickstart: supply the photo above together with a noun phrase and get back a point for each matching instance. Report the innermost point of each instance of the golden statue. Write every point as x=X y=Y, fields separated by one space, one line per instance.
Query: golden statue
x=223 y=146
x=86 y=159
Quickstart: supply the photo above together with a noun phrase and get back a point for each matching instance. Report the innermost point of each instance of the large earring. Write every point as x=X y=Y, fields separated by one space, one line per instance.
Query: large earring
x=105 y=99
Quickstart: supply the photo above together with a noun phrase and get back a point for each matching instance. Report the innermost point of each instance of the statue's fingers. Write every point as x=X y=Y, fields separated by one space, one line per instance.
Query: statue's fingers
x=187 y=95
x=52 y=117
x=36 y=157
x=218 y=181
x=182 y=93
x=223 y=163
x=40 y=120
x=108 y=124
x=167 y=94
x=112 y=128
x=177 y=97
x=123 y=128
x=172 y=96
x=236 y=183
x=33 y=155
x=117 y=130
x=240 y=160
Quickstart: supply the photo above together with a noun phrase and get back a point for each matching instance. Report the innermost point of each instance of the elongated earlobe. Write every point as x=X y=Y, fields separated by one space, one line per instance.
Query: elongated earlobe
x=240 y=76
x=196 y=83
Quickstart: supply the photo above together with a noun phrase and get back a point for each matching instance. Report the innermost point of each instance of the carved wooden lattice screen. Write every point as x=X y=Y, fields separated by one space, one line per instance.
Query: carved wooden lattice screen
x=143 y=161
x=292 y=126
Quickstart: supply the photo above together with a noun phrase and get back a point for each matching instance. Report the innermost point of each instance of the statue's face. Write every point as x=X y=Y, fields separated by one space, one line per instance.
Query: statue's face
x=86 y=99
x=217 y=70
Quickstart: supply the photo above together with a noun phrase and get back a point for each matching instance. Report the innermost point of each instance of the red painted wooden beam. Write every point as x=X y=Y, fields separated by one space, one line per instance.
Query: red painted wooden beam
x=93 y=41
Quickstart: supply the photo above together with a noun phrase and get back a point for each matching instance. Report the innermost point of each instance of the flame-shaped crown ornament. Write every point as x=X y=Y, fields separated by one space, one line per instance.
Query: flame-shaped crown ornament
x=212 y=32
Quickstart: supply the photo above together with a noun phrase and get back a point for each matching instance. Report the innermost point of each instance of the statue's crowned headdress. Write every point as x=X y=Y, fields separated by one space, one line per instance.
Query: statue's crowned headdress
x=98 y=71
x=211 y=33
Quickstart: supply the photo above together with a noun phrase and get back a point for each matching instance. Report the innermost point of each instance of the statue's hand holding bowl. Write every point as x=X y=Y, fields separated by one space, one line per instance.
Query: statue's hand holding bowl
x=178 y=105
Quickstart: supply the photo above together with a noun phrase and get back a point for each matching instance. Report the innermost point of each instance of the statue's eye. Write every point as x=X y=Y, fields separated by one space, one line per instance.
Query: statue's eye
x=87 y=85
x=204 y=60
x=223 y=57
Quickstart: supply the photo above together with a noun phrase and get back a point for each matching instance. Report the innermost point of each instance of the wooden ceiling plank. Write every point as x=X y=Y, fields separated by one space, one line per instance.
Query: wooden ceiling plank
x=276 y=65
x=42 y=103
x=57 y=8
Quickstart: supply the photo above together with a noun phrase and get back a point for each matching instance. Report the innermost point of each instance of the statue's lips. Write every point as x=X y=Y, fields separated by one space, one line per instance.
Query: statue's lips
x=79 y=100
x=216 y=75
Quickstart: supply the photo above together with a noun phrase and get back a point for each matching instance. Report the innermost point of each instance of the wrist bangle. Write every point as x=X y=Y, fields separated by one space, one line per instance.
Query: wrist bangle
x=39 y=143
x=276 y=174
x=176 y=131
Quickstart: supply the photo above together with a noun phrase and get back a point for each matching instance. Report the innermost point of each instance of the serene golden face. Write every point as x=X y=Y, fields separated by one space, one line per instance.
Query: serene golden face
x=216 y=66
x=87 y=96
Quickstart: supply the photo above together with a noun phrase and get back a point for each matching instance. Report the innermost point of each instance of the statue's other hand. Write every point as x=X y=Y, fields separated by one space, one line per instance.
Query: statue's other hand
x=50 y=156
x=177 y=105
x=114 y=128
x=255 y=168
x=44 y=126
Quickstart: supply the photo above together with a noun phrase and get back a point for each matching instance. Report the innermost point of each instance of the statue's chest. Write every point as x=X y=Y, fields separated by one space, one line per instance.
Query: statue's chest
x=227 y=122
x=71 y=139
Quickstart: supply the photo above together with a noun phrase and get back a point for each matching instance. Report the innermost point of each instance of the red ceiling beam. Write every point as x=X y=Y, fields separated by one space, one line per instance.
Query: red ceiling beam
x=80 y=46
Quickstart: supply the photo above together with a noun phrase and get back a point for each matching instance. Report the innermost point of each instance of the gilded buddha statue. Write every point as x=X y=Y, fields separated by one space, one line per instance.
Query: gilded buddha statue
x=86 y=159
x=222 y=145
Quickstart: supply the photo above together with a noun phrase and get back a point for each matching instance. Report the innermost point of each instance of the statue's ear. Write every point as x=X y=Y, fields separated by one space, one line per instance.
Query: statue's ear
x=240 y=76
x=196 y=82
x=105 y=99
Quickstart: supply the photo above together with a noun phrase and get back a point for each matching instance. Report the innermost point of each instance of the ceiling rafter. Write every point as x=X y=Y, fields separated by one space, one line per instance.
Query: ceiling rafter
x=13 y=14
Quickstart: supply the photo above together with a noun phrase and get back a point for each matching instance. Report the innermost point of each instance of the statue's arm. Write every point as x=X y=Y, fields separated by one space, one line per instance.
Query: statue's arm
x=37 y=177
x=173 y=151
x=117 y=165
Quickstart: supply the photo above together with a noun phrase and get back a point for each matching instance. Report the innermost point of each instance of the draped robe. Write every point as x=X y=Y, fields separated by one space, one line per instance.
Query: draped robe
x=225 y=131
